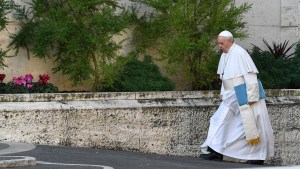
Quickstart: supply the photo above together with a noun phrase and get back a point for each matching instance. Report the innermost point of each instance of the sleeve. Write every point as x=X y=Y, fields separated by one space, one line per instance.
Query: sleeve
x=252 y=87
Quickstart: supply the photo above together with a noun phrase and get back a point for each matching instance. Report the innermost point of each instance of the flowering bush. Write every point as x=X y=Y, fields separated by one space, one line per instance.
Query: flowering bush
x=24 y=84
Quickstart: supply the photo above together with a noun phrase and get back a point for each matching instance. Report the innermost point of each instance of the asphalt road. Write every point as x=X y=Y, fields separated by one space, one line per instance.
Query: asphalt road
x=60 y=157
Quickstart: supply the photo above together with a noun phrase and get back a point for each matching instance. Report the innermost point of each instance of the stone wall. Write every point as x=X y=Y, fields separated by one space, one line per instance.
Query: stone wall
x=173 y=123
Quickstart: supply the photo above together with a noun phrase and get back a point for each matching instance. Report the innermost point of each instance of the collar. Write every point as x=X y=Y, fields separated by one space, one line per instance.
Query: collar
x=230 y=49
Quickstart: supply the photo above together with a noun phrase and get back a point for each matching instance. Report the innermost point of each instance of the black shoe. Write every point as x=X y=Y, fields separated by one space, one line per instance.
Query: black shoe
x=212 y=156
x=210 y=149
x=256 y=162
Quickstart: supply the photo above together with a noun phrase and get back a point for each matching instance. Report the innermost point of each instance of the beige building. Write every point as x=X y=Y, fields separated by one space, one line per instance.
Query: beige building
x=272 y=20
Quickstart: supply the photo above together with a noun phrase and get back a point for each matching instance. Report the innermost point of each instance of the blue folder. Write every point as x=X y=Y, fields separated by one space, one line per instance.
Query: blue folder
x=241 y=93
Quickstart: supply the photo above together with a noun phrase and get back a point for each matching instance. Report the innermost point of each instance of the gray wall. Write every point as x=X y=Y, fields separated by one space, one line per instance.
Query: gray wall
x=272 y=20
x=173 y=123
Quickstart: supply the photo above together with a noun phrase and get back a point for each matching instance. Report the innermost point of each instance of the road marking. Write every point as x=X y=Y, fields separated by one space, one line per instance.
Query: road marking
x=16 y=148
x=21 y=147
x=66 y=164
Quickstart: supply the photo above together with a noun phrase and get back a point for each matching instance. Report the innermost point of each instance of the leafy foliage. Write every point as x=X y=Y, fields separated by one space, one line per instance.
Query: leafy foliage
x=277 y=73
x=43 y=88
x=112 y=71
x=3 y=54
x=139 y=75
x=6 y=7
x=11 y=88
x=77 y=34
x=185 y=31
x=295 y=69
x=279 y=50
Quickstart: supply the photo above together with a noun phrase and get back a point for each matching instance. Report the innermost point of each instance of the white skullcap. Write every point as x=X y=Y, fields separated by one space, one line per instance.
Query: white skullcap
x=226 y=34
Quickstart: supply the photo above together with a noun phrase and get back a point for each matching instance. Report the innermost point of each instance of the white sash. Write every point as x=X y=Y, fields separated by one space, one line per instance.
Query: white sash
x=247 y=115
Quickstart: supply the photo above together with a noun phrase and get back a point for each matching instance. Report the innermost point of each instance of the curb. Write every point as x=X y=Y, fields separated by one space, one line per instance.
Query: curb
x=16 y=161
x=7 y=161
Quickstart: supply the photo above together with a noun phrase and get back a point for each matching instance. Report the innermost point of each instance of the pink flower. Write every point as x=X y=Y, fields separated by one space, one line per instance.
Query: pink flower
x=28 y=78
x=29 y=86
x=19 y=80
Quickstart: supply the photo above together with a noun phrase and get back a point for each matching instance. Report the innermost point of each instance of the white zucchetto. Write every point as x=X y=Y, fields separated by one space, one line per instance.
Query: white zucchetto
x=226 y=34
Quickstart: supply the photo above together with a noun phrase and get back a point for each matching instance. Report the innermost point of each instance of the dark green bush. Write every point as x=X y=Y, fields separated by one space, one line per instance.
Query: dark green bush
x=11 y=88
x=295 y=69
x=277 y=72
x=43 y=88
x=139 y=75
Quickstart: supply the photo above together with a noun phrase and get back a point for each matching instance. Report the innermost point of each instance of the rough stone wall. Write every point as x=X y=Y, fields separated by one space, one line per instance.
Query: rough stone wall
x=173 y=123
x=285 y=120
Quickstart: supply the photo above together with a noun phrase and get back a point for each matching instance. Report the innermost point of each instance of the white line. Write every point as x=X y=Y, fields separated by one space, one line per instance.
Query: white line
x=18 y=157
x=86 y=165
x=16 y=148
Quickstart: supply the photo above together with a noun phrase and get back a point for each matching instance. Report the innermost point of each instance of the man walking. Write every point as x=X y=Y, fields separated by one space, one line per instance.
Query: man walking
x=240 y=129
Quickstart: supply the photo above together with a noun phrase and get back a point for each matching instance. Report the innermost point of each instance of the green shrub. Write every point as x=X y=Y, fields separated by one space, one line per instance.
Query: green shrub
x=295 y=69
x=43 y=88
x=139 y=75
x=277 y=72
x=11 y=88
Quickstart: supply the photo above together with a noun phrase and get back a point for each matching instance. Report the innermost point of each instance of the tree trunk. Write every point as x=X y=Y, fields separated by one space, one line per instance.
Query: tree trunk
x=96 y=85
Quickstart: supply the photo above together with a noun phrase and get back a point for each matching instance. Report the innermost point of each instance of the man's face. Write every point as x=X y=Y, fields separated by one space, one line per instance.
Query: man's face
x=224 y=44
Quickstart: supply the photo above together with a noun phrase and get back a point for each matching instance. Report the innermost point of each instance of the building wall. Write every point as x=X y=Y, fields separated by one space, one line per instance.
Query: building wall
x=272 y=20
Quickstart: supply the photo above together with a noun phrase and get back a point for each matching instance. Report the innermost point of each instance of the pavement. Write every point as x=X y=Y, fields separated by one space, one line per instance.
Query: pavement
x=30 y=156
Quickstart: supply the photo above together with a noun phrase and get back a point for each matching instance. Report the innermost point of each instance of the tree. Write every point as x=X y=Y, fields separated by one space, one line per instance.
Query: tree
x=77 y=34
x=6 y=7
x=185 y=31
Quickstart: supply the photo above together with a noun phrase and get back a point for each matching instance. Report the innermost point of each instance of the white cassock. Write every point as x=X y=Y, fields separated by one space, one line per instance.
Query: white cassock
x=226 y=134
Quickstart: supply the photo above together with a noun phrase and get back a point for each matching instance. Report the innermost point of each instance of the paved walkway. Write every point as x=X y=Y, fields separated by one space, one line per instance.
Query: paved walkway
x=29 y=156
